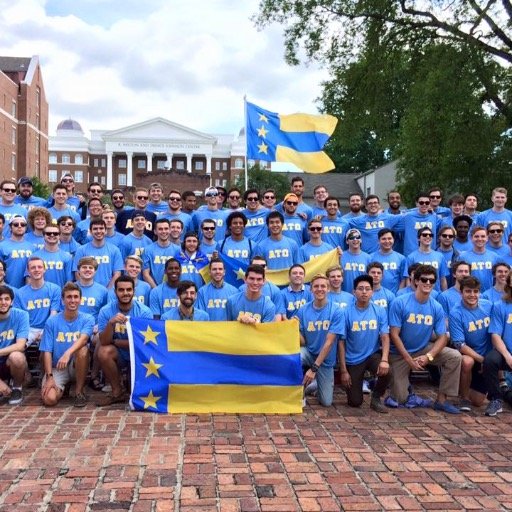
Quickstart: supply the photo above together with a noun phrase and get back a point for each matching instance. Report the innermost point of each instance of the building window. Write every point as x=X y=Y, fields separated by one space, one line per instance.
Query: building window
x=103 y=162
x=141 y=164
x=37 y=145
x=121 y=180
x=13 y=136
x=79 y=159
x=96 y=162
x=224 y=183
x=38 y=96
x=217 y=183
x=66 y=159
x=122 y=163
x=217 y=166
x=239 y=163
x=13 y=161
x=224 y=166
x=180 y=165
x=160 y=164
x=52 y=158
x=199 y=165
x=13 y=109
x=103 y=180
x=52 y=176
x=79 y=176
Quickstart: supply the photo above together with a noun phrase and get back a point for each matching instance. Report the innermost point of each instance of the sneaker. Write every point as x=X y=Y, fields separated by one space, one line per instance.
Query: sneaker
x=311 y=388
x=80 y=400
x=391 y=402
x=493 y=408
x=366 y=387
x=446 y=407
x=503 y=385
x=16 y=396
x=377 y=405
x=465 y=405
x=107 y=388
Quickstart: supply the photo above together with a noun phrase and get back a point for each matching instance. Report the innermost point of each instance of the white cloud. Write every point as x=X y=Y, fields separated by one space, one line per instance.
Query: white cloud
x=111 y=63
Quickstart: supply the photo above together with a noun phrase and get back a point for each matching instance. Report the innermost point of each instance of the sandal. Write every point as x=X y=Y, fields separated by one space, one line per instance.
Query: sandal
x=95 y=384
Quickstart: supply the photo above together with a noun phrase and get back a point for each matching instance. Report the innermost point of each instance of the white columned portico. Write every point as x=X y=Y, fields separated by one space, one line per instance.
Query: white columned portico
x=169 y=159
x=208 y=164
x=149 y=157
x=129 y=169
x=189 y=162
x=109 y=170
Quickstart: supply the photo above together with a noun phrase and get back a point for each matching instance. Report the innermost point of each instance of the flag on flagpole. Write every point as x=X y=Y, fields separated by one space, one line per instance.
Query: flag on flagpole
x=223 y=367
x=294 y=138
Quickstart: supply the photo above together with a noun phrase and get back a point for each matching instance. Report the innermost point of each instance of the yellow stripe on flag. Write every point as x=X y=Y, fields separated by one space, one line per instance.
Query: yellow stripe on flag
x=314 y=163
x=307 y=123
x=265 y=339
x=230 y=398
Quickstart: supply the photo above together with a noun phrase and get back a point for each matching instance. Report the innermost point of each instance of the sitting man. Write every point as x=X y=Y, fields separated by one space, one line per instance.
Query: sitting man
x=320 y=322
x=364 y=324
x=113 y=352
x=14 y=327
x=64 y=349
x=418 y=332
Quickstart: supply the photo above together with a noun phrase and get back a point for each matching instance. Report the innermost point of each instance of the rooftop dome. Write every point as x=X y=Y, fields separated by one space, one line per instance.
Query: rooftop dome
x=241 y=133
x=70 y=124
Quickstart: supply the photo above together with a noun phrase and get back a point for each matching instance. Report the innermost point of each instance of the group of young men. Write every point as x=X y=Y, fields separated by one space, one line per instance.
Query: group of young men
x=419 y=287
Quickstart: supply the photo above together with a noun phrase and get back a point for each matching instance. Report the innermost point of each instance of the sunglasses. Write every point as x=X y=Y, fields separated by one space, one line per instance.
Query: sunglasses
x=269 y=197
x=207 y=228
x=354 y=237
x=315 y=228
x=424 y=203
x=428 y=235
x=292 y=203
x=143 y=198
x=19 y=224
x=211 y=194
x=117 y=198
x=174 y=198
x=95 y=191
x=66 y=180
x=495 y=231
x=222 y=194
x=234 y=197
x=9 y=190
x=68 y=224
x=429 y=280
x=252 y=199
x=51 y=233
x=447 y=236
x=435 y=197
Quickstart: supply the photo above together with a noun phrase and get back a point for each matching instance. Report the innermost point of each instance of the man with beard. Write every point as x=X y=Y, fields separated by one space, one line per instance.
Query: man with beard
x=26 y=197
x=297 y=188
x=187 y=294
x=355 y=203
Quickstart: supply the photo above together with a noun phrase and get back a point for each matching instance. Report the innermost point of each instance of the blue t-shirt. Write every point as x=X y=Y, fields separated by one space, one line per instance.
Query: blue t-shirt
x=154 y=258
x=504 y=217
x=134 y=245
x=174 y=314
x=273 y=292
x=471 y=327
x=94 y=297
x=413 y=222
x=261 y=309
x=15 y=255
x=59 y=334
x=492 y=295
x=353 y=265
x=341 y=298
x=302 y=208
x=417 y=321
x=184 y=217
x=316 y=323
x=294 y=300
x=36 y=240
x=162 y=298
x=309 y=251
x=463 y=246
x=243 y=250
x=158 y=208
x=449 y=299
x=481 y=266
x=219 y=216
x=370 y=225
x=361 y=331
x=58 y=266
x=31 y=202
x=142 y=293
x=383 y=298
x=190 y=267
x=71 y=246
x=433 y=258
x=279 y=254
x=256 y=227
x=12 y=328
x=82 y=233
x=333 y=231
x=295 y=227
x=394 y=268
x=68 y=211
x=501 y=322
x=501 y=251
x=108 y=257
x=38 y=302
x=213 y=300
x=9 y=211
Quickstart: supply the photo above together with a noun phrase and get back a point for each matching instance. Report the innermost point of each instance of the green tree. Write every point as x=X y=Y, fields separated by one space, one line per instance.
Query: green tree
x=262 y=179
x=40 y=188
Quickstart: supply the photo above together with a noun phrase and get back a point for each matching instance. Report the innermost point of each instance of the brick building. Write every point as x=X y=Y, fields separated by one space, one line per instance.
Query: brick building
x=23 y=119
x=153 y=150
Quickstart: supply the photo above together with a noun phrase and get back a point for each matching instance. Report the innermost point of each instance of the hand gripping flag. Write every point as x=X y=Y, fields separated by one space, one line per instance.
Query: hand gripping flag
x=295 y=138
x=212 y=367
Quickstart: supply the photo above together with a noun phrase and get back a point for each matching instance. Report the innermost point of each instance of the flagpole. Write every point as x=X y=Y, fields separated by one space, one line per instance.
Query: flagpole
x=246 y=144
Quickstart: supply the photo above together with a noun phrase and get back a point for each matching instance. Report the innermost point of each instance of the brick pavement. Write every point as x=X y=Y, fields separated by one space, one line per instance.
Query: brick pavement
x=68 y=460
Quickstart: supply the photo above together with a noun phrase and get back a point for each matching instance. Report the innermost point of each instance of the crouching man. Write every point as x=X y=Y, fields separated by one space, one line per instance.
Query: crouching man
x=64 y=349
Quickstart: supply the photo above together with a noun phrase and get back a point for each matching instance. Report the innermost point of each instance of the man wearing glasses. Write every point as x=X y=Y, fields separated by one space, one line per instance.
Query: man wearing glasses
x=269 y=199
x=316 y=246
x=255 y=213
x=124 y=222
x=174 y=212
x=435 y=195
x=353 y=261
x=418 y=335
x=69 y=185
x=297 y=188
x=118 y=201
x=234 y=198
x=495 y=243
x=8 y=208
x=294 y=226
x=212 y=211
x=208 y=244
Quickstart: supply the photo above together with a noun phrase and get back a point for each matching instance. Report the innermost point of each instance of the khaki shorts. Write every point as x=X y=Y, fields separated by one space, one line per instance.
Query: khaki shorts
x=62 y=377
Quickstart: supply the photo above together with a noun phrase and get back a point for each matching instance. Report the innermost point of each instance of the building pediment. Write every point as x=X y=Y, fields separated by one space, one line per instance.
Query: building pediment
x=158 y=129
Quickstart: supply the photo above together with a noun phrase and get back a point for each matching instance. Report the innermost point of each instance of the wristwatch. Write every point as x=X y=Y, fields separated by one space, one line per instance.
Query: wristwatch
x=314 y=367
x=430 y=357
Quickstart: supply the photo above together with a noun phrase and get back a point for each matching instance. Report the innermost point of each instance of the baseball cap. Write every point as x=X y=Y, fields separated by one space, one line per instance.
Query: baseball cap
x=352 y=232
x=289 y=196
x=17 y=218
x=25 y=180
x=211 y=191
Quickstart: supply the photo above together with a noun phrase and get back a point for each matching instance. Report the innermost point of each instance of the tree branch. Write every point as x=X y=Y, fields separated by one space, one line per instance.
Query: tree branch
x=494 y=27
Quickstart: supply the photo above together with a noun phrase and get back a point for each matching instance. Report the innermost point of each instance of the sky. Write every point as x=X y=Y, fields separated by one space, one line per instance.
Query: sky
x=112 y=63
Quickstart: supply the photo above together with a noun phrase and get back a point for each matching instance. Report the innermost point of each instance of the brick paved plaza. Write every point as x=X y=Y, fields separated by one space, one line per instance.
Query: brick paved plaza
x=326 y=459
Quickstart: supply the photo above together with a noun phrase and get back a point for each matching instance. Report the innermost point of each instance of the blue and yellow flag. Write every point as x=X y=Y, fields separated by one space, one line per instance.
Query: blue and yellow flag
x=223 y=367
x=295 y=138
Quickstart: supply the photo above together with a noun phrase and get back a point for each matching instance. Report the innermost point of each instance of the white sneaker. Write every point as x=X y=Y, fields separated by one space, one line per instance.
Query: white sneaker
x=107 y=388
x=366 y=388
x=311 y=388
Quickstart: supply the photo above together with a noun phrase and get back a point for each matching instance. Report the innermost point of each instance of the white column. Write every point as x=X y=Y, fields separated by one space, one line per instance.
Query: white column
x=208 y=164
x=109 y=170
x=149 y=156
x=189 y=162
x=169 y=158
x=129 y=169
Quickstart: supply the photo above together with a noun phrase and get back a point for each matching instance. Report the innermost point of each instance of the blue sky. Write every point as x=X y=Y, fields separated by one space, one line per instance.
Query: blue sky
x=112 y=63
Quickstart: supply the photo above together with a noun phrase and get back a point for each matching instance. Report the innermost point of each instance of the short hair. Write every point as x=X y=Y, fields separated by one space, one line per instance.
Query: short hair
x=353 y=194
x=38 y=211
x=215 y=260
x=458 y=263
x=179 y=221
x=412 y=268
x=393 y=192
x=374 y=264
x=500 y=190
x=259 y=257
x=330 y=198
x=7 y=182
x=97 y=222
x=140 y=189
x=435 y=189
x=156 y=185
x=255 y=269
x=363 y=278
x=208 y=220
x=476 y=228
x=332 y=269
x=169 y=261
x=250 y=191
x=274 y=215
x=93 y=200
x=297 y=179
x=187 y=193
x=235 y=215
x=174 y=191
x=421 y=194
x=424 y=270
x=116 y=191
x=499 y=264
x=312 y=221
x=124 y=279
x=372 y=196
x=271 y=190
x=385 y=231
x=316 y=277
x=447 y=228
x=471 y=194
x=183 y=286
x=461 y=218
x=2 y=218
x=423 y=229
x=94 y=184
x=495 y=223
x=164 y=221
x=456 y=199
x=35 y=258
x=319 y=186
x=470 y=282
x=6 y=290
x=87 y=260
x=134 y=257
x=59 y=186
x=65 y=218
x=296 y=265
x=71 y=287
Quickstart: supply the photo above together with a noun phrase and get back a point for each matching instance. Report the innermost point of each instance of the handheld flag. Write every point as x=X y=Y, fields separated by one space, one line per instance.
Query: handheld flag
x=295 y=138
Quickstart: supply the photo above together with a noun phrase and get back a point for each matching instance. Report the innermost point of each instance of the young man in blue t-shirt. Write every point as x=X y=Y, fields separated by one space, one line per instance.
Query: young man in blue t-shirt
x=185 y=310
x=64 y=349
